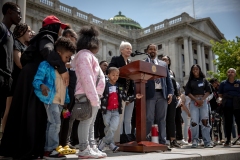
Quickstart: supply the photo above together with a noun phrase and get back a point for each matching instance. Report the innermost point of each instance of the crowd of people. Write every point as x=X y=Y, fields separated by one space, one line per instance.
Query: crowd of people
x=42 y=75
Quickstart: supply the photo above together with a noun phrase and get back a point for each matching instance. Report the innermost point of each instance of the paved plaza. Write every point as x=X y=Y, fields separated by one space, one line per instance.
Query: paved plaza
x=186 y=153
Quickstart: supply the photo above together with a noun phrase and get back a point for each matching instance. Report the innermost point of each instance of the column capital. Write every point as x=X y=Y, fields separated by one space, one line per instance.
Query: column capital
x=202 y=44
x=198 y=42
x=185 y=37
x=190 y=38
x=174 y=40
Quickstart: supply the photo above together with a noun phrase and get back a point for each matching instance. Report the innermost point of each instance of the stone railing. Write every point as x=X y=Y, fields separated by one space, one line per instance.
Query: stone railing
x=184 y=17
x=58 y=6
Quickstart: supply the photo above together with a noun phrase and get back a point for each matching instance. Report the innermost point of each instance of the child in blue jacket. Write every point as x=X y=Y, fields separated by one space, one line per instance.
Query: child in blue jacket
x=50 y=89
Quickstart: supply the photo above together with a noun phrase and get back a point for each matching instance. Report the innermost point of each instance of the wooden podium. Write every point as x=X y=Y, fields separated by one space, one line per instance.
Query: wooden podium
x=140 y=72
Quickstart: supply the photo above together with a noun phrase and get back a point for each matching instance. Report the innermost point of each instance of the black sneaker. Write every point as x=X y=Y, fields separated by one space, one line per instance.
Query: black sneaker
x=174 y=144
x=227 y=144
x=55 y=155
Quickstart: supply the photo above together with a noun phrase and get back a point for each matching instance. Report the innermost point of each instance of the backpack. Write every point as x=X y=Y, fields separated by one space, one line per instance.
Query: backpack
x=3 y=35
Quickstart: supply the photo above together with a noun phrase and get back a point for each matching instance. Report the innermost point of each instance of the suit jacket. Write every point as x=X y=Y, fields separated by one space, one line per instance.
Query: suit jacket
x=118 y=61
x=166 y=83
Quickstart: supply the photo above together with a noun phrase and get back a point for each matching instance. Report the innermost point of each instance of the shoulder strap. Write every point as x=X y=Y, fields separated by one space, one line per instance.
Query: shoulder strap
x=98 y=77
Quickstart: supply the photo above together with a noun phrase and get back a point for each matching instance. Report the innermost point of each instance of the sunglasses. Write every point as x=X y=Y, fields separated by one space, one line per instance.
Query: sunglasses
x=18 y=12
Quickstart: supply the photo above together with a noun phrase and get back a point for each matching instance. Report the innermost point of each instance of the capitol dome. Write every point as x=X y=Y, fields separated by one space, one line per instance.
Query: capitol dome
x=125 y=22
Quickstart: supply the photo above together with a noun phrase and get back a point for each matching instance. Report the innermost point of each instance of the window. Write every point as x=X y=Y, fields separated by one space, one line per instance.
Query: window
x=159 y=46
x=110 y=53
x=206 y=56
x=182 y=46
x=182 y=58
x=183 y=73
x=195 y=51
x=207 y=67
x=195 y=61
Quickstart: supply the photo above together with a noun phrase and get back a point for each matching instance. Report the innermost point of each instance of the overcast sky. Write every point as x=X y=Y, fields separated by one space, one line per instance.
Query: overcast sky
x=224 y=13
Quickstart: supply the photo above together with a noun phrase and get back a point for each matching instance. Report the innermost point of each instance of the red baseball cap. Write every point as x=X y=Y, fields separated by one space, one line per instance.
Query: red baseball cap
x=51 y=20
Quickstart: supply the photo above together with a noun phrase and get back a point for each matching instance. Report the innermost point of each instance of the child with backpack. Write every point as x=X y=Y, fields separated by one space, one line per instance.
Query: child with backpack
x=50 y=89
x=111 y=105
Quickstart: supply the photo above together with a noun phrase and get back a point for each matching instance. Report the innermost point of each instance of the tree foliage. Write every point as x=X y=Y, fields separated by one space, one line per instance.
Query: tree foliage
x=228 y=56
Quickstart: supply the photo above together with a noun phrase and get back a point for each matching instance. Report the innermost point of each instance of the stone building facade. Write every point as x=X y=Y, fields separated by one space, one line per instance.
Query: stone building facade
x=184 y=39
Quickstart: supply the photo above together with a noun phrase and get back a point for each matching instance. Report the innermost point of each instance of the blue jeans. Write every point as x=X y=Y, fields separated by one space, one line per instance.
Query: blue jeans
x=156 y=109
x=86 y=131
x=127 y=118
x=111 y=121
x=53 y=126
x=197 y=115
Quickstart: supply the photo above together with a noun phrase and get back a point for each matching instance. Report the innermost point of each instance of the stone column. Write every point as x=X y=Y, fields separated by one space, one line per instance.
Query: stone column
x=199 y=57
x=203 y=60
x=22 y=5
x=210 y=55
x=166 y=48
x=173 y=55
x=190 y=52
x=180 y=70
x=35 y=25
x=186 y=57
x=104 y=50
x=117 y=52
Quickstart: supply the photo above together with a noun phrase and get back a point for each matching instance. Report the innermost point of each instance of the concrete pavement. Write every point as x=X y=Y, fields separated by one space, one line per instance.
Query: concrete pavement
x=186 y=153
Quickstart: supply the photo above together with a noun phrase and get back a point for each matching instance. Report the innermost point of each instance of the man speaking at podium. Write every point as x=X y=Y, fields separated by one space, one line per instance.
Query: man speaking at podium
x=158 y=95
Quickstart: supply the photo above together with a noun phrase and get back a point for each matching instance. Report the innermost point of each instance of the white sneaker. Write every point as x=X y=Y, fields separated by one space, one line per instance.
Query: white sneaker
x=88 y=153
x=101 y=154
x=183 y=142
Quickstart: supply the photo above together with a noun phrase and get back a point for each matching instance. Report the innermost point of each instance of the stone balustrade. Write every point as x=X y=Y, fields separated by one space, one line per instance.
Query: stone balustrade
x=57 y=5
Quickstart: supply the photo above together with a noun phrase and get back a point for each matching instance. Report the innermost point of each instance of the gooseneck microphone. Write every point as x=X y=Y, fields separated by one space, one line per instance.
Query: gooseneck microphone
x=137 y=53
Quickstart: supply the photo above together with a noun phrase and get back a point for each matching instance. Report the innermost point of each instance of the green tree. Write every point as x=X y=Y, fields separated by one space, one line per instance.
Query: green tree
x=228 y=56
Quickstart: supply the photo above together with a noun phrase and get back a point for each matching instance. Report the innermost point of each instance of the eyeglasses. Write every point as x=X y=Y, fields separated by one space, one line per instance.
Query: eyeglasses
x=18 y=12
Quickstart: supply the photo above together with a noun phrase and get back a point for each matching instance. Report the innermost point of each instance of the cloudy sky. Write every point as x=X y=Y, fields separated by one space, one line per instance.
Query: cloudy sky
x=224 y=13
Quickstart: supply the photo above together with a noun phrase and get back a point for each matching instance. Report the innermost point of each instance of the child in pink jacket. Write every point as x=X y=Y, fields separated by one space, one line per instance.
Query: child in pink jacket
x=87 y=71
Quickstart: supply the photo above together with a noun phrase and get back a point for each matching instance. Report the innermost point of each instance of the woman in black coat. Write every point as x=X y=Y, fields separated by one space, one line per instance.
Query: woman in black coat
x=24 y=134
x=125 y=121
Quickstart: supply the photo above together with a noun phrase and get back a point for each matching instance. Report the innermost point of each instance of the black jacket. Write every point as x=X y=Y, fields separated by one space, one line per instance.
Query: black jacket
x=42 y=48
x=121 y=96
x=118 y=61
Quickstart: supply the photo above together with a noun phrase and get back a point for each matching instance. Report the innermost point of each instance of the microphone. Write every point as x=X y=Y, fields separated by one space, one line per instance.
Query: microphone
x=137 y=53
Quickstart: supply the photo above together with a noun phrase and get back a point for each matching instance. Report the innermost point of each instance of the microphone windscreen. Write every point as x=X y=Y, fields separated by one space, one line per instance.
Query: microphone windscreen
x=132 y=55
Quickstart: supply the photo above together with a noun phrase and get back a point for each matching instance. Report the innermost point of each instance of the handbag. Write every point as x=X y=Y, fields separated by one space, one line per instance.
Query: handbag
x=82 y=109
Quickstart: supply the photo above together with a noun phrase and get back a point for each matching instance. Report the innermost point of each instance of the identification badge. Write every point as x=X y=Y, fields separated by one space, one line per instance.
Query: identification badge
x=200 y=84
x=236 y=85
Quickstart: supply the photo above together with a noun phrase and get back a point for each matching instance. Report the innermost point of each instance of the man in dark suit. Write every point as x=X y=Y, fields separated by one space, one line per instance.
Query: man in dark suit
x=158 y=95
